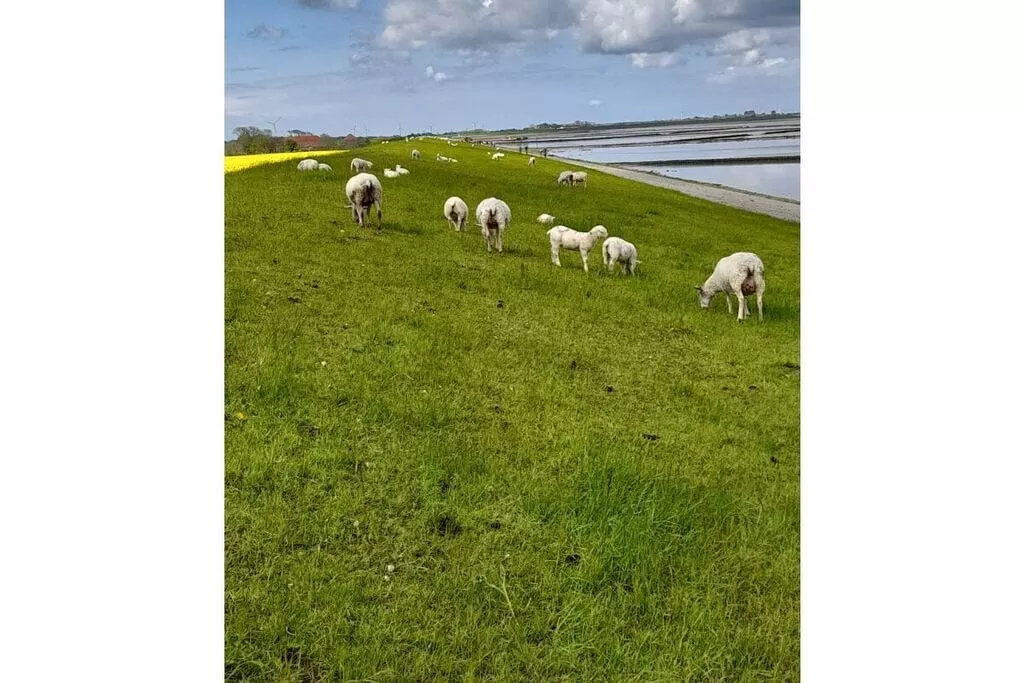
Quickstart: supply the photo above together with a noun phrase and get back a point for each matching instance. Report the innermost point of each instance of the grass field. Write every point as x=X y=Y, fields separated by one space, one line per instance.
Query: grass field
x=443 y=464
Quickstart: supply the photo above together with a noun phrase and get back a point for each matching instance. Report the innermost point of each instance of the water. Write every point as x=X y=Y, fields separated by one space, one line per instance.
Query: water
x=776 y=179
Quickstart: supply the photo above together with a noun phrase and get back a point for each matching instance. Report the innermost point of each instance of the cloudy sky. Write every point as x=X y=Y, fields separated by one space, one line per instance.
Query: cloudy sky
x=394 y=66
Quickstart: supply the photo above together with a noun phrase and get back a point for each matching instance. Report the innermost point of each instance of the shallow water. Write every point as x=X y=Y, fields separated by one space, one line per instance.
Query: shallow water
x=777 y=180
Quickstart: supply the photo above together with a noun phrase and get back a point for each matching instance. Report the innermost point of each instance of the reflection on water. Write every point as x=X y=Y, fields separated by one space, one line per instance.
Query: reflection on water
x=778 y=180
x=706 y=150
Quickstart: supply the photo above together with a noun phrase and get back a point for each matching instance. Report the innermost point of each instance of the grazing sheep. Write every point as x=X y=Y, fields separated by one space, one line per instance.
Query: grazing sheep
x=358 y=165
x=388 y=173
x=565 y=178
x=741 y=274
x=617 y=250
x=566 y=238
x=579 y=178
x=533 y=160
x=308 y=165
x=324 y=167
x=497 y=155
x=400 y=170
x=415 y=154
x=440 y=157
x=456 y=211
x=493 y=215
x=546 y=219
x=363 y=191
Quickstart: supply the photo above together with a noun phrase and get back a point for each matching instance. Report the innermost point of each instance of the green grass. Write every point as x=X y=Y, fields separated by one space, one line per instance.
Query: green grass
x=382 y=409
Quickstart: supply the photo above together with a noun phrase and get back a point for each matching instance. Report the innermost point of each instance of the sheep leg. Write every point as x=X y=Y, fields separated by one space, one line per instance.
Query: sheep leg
x=583 y=255
x=487 y=241
x=379 y=224
x=728 y=303
x=743 y=305
x=497 y=238
x=760 y=309
x=554 y=255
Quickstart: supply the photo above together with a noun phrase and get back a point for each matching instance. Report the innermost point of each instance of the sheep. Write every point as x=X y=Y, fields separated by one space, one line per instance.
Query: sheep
x=400 y=170
x=452 y=160
x=388 y=173
x=617 y=250
x=565 y=178
x=741 y=274
x=566 y=238
x=579 y=178
x=308 y=165
x=415 y=154
x=440 y=157
x=497 y=155
x=363 y=191
x=493 y=215
x=455 y=210
x=324 y=167
x=546 y=219
x=533 y=160
x=359 y=165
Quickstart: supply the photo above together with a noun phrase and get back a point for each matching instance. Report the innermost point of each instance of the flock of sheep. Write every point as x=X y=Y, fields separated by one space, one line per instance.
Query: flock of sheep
x=740 y=274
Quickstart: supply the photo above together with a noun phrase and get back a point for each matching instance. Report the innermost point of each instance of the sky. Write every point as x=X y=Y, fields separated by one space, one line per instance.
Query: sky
x=382 y=67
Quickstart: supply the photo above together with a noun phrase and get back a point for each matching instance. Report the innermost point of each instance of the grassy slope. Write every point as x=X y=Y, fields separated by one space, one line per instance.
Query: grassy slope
x=495 y=455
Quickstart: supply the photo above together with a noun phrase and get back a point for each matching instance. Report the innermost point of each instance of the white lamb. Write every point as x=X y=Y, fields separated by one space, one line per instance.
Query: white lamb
x=565 y=178
x=388 y=173
x=401 y=171
x=546 y=219
x=363 y=191
x=440 y=157
x=324 y=167
x=741 y=274
x=308 y=165
x=579 y=178
x=497 y=155
x=533 y=160
x=493 y=215
x=456 y=211
x=415 y=154
x=617 y=250
x=359 y=165
x=566 y=238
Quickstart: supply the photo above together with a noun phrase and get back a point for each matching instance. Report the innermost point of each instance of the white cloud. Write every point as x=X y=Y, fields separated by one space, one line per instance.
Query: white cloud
x=330 y=4
x=594 y=103
x=264 y=32
x=643 y=60
x=436 y=75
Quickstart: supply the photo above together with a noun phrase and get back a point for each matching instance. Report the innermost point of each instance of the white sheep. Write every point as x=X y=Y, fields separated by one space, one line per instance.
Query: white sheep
x=324 y=167
x=493 y=215
x=497 y=155
x=456 y=211
x=533 y=160
x=741 y=274
x=400 y=170
x=579 y=178
x=415 y=154
x=359 y=165
x=617 y=250
x=546 y=219
x=440 y=157
x=565 y=178
x=452 y=160
x=363 y=191
x=566 y=238
x=388 y=173
x=308 y=165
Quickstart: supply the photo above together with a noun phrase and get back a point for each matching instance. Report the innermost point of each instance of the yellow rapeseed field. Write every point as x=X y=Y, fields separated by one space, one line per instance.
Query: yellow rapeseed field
x=243 y=161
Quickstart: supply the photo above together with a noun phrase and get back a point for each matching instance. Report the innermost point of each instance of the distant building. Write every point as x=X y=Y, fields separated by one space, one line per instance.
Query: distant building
x=304 y=142
x=750 y=112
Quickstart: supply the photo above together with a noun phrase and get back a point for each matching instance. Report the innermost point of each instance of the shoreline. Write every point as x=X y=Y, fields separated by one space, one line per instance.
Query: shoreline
x=777 y=207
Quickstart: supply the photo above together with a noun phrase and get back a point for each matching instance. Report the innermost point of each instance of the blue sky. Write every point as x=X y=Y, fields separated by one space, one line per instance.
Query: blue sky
x=397 y=66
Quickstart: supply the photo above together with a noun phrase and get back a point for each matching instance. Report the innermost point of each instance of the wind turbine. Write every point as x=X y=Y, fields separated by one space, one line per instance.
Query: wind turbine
x=274 y=124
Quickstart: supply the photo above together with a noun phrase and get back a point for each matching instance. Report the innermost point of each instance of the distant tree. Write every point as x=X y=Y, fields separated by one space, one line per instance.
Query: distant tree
x=296 y=131
x=291 y=145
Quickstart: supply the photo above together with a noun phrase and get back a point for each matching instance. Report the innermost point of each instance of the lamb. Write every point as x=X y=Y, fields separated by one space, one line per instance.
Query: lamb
x=308 y=165
x=493 y=215
x=741 y=274
x=497 y=155
x=579 y=178
x=415 y=154
x=566 y=238
x=324 y=167
x=358 y=165
x=388 y=173
x=533 y=160
x=617 y=250
x=400 y=170
x=455 y=210
x=546 y=219
x=565 y=178
x=363 y=191
x=440 y=157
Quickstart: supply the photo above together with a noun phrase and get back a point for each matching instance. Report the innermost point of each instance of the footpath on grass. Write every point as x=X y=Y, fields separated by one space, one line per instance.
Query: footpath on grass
x=786 y=209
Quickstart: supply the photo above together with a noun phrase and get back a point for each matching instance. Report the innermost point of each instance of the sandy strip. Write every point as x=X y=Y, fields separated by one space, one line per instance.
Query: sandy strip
x=786 y=209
